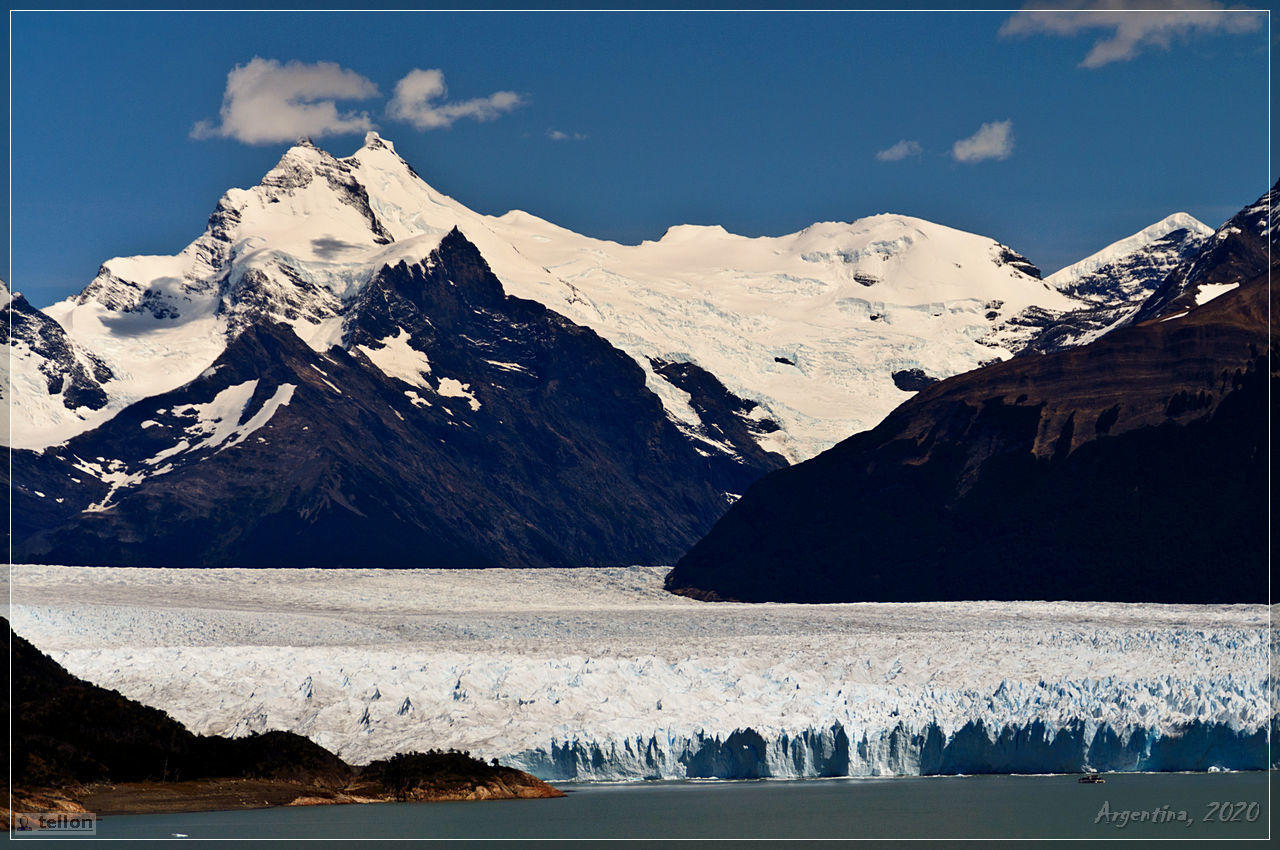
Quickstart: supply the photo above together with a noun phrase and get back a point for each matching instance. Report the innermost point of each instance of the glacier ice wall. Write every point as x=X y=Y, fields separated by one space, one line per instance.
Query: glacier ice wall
x=598 y=675
x=746 y=754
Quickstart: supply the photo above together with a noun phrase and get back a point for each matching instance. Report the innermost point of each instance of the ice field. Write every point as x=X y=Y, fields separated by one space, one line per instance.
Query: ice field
x=598 y=674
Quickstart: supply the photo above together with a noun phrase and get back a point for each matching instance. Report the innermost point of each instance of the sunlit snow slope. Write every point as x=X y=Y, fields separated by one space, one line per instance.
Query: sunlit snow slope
x=598 y=674
x=1135 y=265
x=810 y=325
x=50 y=385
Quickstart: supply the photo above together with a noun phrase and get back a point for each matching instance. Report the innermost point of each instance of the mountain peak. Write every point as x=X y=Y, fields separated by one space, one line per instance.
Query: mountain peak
x=296 y=164
x=692 y=231
x=1177 y=221
x=379 y=155
x=755 y=312
x=1120 y=250
x=374 y=142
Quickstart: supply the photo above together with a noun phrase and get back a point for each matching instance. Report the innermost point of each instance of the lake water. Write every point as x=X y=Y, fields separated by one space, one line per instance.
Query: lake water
x=1217 y=805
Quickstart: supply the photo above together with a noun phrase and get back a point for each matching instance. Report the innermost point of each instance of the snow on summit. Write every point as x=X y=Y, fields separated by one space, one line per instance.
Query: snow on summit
x=809 y=325
x=1122 y=248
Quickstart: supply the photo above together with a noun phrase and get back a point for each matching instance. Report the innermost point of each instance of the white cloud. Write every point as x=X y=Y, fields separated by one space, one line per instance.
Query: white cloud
x=266 y=101
x=561 y=136
x=1130 y=29
x=992 y=141
x=901 y=150
x=414 y=98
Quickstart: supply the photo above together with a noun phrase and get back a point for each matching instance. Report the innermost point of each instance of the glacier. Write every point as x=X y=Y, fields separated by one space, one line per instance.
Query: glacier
x=596 y=674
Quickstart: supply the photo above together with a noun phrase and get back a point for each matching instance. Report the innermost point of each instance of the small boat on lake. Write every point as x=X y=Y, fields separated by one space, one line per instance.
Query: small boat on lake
x=1091 y=779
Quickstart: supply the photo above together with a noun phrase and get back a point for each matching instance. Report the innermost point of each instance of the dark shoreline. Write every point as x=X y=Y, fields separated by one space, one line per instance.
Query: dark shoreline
x=212 y=795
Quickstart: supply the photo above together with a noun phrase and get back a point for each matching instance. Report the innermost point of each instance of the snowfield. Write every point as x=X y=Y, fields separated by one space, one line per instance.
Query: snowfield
x=810 y=325
x=598 y=674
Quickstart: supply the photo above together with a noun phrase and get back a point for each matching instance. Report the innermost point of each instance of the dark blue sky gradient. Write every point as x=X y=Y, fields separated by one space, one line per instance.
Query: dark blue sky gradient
x=762 y=123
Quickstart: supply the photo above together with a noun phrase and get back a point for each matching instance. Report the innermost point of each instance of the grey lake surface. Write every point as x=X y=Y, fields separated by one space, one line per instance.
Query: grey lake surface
x=1189 y=805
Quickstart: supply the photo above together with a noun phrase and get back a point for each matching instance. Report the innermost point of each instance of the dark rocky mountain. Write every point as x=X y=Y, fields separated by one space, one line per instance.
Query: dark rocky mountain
x=726 y=423
x=1235 y=252
x=1129 y=469
x=456 y=426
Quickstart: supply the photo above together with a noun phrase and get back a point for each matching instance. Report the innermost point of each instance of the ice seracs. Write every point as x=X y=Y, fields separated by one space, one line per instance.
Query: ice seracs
x=599 y=675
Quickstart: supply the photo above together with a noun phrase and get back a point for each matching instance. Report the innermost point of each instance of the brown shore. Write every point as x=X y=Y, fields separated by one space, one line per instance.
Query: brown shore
x=209 y=795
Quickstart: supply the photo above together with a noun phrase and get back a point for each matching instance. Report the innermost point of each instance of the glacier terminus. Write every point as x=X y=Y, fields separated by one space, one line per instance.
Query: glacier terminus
x=597 y=674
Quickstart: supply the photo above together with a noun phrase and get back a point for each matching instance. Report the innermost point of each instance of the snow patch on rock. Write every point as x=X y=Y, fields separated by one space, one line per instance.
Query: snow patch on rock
x=397 y=359
x=1209 y=291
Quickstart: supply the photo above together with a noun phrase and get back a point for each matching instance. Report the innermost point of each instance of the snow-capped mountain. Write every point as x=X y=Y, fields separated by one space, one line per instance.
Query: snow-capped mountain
x=1175 y=264
x=1133 y=267
x=347 y=355
x=809 y=328
x=457 y=426
x=1071 y=475
x=1115 y=282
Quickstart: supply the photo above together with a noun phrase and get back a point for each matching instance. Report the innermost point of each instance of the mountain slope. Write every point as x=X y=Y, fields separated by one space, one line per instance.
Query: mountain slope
x=1134 y=266
x=51 y=385
x=459 y=426
x=1115 y=282
x=1130 y=469
x=1234 y=253
x=807 y=327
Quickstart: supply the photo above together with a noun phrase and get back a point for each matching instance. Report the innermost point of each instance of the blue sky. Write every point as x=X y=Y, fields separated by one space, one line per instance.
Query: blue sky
x=1081 y=130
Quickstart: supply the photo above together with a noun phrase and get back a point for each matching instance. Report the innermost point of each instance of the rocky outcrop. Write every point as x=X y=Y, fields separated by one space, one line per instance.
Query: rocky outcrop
x=451 y=775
